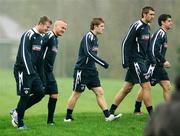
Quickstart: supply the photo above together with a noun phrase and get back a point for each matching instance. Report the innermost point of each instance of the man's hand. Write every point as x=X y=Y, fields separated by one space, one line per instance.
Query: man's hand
x=167 y=64
x=106 y=65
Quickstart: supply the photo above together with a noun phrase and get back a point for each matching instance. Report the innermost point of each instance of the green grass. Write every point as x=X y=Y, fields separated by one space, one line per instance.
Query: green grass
x=85 y=124
x=89 y=119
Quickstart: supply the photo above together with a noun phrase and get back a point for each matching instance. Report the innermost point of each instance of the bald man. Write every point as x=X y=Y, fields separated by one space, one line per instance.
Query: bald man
x=51 y=48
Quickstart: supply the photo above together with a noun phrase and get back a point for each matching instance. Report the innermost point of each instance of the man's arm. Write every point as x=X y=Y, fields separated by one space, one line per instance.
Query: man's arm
x=127 y=45
x=150 y=54
x=90 y=54
x=156 y=45
x=26 y=53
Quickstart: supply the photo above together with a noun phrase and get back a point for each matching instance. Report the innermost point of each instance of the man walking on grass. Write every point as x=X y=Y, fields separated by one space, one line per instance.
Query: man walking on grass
x=85 y=72
x=159 y=45
x=28 y=82
x=135 y=48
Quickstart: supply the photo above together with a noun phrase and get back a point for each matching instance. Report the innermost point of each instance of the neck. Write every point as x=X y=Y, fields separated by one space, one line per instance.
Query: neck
x=94 y=32
x=165 y=29
x=38 y=29
x=145 y=21
x=55 y=32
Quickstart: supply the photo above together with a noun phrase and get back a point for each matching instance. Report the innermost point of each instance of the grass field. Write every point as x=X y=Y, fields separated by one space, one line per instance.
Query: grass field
x=89 y=119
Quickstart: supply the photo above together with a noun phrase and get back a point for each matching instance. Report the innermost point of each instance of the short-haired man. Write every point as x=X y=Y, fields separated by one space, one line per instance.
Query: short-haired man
x=159 y=45
x=51 y=44
x=85 y=72
x=135 y=48
x=29 y=85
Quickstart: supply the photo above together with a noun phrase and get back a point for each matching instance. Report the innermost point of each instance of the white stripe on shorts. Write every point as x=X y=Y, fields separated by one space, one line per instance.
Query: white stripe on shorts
x=78 y=78
x=138 y=70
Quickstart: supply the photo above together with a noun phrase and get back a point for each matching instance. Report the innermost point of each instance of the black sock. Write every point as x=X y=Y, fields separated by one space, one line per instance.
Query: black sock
x=51 y=109
x=106 y=113
x=21 y=107
x=35 y=98
x=69 y=113
x=113 y=108
x=150 y=110
x=137 y=106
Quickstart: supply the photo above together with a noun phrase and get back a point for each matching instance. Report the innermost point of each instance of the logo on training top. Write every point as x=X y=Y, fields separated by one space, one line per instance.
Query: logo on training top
x=36 y=47
x=54 y=49
x=145 y=37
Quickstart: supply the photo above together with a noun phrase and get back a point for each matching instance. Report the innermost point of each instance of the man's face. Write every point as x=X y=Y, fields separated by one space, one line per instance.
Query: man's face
x=149 y=16
x=99 y=29
x=60 y=28
x=167 y=24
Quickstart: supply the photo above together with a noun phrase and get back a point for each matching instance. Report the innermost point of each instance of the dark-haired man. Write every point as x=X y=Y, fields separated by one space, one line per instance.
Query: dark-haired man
x=159 y=46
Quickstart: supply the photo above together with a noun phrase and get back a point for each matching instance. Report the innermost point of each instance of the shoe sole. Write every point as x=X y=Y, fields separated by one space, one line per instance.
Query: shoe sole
x=14 y=123
x=22 y=128
x=65 y=120
x=51 y=124
x=118 y=116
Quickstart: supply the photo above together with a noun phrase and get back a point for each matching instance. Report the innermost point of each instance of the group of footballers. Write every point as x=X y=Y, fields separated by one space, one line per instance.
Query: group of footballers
x=142 y=56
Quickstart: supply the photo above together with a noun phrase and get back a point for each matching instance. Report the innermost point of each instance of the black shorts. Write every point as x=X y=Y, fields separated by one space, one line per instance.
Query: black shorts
x=136 y=73
x=27 y=84
x=159 y=74
x=83 y=78
x=51 y=84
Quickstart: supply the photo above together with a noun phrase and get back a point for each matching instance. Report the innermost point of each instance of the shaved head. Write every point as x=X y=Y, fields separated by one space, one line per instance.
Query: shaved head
x=59 y=22
x=60 y=27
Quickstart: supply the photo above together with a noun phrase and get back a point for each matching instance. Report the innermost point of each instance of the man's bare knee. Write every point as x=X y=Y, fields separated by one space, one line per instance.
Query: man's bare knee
x=146 y=86
x=76 y=94
x=167 y=87
x=127 y=89
x=99 y=93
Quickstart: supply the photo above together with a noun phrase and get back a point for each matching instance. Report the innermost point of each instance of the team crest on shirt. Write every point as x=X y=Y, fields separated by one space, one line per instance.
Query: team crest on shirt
x=54 y=49
x=145 y=37
x=36 y=47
